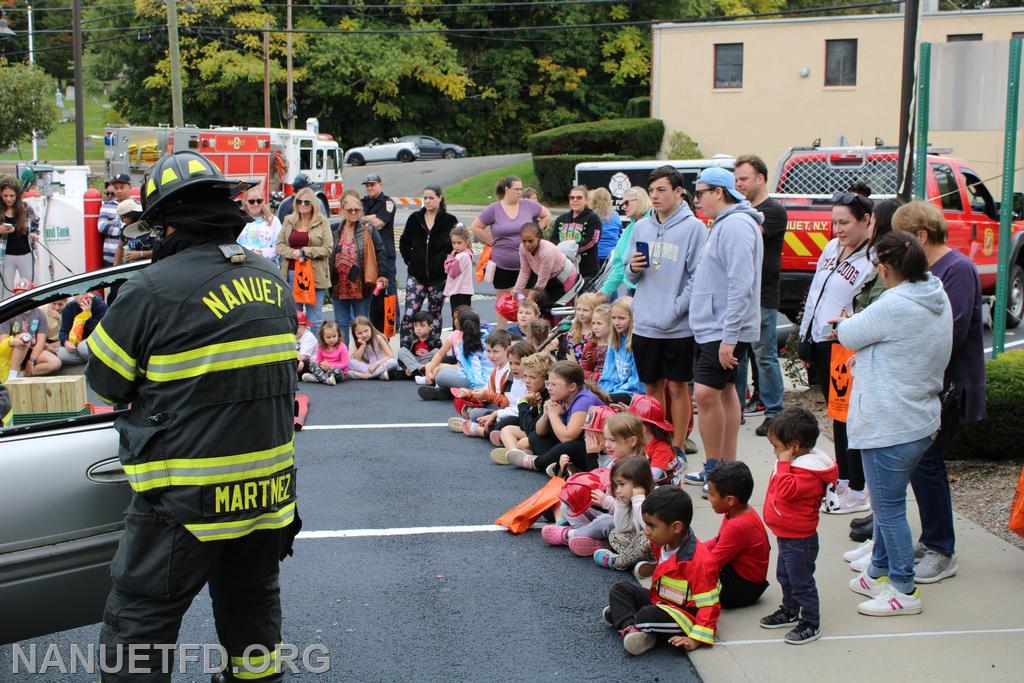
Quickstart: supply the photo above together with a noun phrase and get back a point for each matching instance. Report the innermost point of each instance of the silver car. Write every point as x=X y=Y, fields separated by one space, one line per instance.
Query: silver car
x=382 y=150
x=64 y=497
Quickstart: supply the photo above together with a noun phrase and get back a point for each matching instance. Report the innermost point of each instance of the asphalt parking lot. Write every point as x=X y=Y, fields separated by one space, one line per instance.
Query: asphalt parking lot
x=435 y=606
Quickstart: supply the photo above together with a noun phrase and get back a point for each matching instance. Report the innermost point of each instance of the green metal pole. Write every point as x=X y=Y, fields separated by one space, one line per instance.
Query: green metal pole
x=924 y=82
x=1006 y=198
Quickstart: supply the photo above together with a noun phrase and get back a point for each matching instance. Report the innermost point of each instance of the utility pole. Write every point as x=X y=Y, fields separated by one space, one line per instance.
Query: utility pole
x=266 y=75
x=32 y=60
x=177 y=116
x=290 y=97
x=905 y=184
x=76 y=21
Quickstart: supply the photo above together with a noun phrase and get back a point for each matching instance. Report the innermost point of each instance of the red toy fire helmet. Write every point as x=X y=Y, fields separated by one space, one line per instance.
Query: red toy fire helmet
x=507 y=306
x=302 y=319
x=649 y=410
x=576 y=494
x=596 y=417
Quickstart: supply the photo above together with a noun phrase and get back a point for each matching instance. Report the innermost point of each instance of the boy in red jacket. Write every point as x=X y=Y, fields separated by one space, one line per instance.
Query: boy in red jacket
x=683 y=600
x=797 y=485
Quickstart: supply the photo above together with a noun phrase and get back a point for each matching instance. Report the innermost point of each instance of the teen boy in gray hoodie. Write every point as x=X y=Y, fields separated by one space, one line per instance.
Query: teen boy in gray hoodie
x=662 y=339
x=725 y=312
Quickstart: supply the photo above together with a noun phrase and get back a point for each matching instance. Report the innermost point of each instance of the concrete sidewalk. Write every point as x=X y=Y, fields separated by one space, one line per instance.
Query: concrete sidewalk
x=972 y=627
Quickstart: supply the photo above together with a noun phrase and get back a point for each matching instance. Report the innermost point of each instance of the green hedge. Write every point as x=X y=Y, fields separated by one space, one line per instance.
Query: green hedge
x=637 y=138
x=638 y=108
x=1000 y=436
x=555 y=173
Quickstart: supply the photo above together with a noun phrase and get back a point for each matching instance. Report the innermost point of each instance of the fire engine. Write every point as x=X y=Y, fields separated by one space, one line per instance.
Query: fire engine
x=273 y=156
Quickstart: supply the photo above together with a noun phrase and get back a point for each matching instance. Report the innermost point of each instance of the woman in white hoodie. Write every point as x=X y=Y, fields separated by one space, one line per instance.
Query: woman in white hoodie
x=842 y=270
x=902 y=344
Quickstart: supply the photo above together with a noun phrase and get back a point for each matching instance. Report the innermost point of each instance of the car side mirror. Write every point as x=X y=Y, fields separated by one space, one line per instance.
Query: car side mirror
x=1018 y=206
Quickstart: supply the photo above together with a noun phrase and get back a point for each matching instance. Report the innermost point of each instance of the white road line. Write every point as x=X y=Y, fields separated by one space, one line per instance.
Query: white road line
x=397 y=425
x=403 y=531
x=1016 y=343
x=871 y=636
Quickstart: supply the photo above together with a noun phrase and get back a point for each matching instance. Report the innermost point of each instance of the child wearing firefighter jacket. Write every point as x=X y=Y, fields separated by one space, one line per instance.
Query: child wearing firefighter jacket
x=683 y=599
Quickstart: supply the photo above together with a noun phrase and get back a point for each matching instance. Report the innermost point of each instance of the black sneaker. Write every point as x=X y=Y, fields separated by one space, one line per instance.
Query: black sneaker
x=860 y=522
x=606 y=613
x=762 y=429
x=803 y=633
x=431 y=393
x=780 y=618
x=862 y=533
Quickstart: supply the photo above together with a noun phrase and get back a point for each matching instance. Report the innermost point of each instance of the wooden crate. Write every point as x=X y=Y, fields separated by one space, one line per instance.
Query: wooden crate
x=60 y=394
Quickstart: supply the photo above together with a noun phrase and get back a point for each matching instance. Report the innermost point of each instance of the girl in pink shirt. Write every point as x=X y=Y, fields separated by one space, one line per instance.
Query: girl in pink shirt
x=554 y=272
x=459 y=267
x=331 y=357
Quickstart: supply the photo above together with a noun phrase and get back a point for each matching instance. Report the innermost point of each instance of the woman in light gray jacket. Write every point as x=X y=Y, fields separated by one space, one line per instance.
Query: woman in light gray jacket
x=902 y=344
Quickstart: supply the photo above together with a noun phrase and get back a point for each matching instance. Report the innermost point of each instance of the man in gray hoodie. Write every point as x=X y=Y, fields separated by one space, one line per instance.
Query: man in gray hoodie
x=662 y=339
x=725 y=312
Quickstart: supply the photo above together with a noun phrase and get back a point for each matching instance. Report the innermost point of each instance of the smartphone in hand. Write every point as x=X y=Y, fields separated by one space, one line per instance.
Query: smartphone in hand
x=645 y=249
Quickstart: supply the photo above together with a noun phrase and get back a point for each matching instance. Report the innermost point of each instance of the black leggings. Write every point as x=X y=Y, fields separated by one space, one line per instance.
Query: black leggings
x=850 y=465
x=549 y=449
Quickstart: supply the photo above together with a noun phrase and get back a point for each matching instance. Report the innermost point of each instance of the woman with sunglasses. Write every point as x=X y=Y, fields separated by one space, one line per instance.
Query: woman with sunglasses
x=636 y=203
x=259 y=235
x=350 y=291
x=842 y=269
x=306 y=235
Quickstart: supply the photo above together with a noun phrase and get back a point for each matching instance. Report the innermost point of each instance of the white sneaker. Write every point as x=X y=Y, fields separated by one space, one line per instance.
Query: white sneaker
x=865 y=585
x=861 y=564
x=860 y=551
x=421 y=380
x=455 y=423
x=891 y=603
x=847 y=503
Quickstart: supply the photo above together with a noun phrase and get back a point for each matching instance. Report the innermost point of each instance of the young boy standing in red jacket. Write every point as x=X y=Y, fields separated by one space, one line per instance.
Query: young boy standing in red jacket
x=791 y=506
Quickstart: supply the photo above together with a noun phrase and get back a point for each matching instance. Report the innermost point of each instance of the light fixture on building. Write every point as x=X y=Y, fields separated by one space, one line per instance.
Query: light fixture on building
x=804 y=72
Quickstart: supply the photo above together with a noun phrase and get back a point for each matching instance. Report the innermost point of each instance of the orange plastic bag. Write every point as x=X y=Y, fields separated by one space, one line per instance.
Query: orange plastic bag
x=841 y=380
x=481 y=267
x=522 y=516
x=1016 y=524
x=304 y=286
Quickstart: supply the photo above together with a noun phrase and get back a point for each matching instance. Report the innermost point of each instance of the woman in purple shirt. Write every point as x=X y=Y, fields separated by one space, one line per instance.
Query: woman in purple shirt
x=966 y=370
x=499 y=224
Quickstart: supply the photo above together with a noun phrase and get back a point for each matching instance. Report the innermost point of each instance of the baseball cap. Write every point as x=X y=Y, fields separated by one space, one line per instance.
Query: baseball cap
x=372 y=178
x=129 y=206
x=22 y=286
x=301 y=181
x=121 y=178
x=719 y=177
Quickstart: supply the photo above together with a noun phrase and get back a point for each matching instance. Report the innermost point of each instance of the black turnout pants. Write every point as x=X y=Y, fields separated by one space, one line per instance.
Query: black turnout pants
x=159 y=568
x=631 y=606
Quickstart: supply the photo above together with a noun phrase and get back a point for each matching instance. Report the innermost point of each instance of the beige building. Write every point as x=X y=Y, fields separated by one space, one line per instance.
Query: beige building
x=765 y=86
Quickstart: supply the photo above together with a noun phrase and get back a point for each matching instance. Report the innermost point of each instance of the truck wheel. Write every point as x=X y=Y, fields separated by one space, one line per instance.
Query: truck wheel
x=1015 y=297
x=405 y=156
x=449 y=154
x=356 y=160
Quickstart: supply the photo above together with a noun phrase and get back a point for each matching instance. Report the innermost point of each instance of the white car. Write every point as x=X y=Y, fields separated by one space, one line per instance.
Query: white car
x=387 y=150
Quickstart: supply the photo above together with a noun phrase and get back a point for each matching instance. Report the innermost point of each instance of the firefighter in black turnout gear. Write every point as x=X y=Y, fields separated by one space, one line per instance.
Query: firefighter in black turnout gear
x=202 y=345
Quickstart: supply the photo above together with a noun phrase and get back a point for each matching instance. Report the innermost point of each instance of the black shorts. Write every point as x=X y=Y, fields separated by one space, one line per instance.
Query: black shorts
x=657 y=359
x=709 y=372
x=504 y=279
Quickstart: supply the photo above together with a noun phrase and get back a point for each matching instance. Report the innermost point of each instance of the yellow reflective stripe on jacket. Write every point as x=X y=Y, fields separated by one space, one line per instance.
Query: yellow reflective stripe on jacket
x=707 y=599
x=224 y=356
x=111 y=354
x=685 y=621
x=256 y=666
x=199 y=471
x=6 y=419
x=703 y=634
x=681 y=585
x=223 y=531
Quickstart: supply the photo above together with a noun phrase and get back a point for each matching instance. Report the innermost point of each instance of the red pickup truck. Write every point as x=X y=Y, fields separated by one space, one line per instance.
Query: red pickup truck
x=806 y=178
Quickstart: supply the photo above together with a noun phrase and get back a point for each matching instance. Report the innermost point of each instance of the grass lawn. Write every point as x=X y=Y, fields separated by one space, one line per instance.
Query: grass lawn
x=479 y=190
x=61 y=142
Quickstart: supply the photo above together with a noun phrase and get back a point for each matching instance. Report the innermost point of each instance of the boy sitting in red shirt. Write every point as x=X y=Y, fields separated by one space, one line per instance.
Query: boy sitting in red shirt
x=741 y=547
x=683 y=599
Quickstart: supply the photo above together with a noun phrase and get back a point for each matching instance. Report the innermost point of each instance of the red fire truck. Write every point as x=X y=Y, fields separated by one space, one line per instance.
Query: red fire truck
x=274 y=156
x=806 y=178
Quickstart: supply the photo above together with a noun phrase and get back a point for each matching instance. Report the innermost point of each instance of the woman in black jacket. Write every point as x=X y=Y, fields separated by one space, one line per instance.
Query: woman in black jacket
x=424 y=245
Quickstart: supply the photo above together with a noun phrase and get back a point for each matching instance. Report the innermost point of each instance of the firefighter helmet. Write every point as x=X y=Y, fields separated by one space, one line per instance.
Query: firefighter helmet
x=596 y=417
x=649 y=410
x=175 y=172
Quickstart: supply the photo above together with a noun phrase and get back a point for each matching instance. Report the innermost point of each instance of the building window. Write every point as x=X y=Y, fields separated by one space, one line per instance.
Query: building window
x=841 y=62
x=962 y=37
x=729 y=65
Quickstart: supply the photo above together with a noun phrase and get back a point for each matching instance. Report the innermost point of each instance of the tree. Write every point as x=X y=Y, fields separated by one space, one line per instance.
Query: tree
x=28 y=103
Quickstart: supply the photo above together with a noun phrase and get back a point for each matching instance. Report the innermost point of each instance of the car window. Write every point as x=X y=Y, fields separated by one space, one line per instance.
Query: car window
x=981 y=199
x=432 y=141
x=949 y=191
x=305 y=155
x=53 y=391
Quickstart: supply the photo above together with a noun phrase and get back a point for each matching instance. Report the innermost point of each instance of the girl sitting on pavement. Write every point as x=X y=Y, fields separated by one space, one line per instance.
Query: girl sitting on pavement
x=632 y=483
x=666 y=466
x=596 y=348
x=620 y=378
x=332 y=359
x=471 y=368
x=372 y=357
x=582 y=321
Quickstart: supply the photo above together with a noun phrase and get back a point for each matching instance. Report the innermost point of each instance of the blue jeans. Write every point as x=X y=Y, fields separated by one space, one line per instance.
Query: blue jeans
x=931 y=489
x=769 y=370
x=795 y=573
x=887 y=473
x=347 y=310
x=314 y=312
